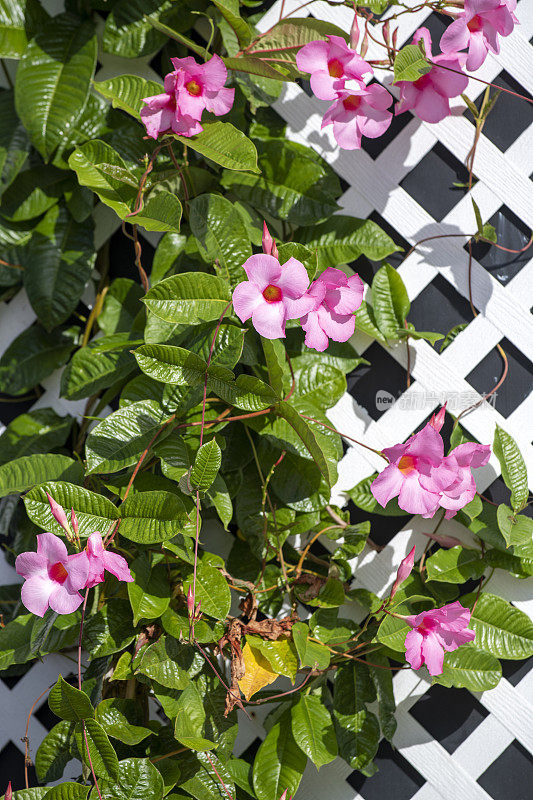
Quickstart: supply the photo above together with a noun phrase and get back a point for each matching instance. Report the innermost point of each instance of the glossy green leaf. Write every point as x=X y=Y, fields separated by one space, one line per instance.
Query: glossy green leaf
x=501 y=629
x=515 y=528
x=212 y=590
x=170 y=663
x=97 y=366
x=206 y=465
x=169 y=364
x=279 y=763
x=19 y=21
x=119 y=440
x=54 y=752
x=34 y=190
x=224 y=144
x=95 y=740
x=230 y=11
x=189 y=298
x=122 y=719
x=27 y=471
x=127 y=92
x=100 y=168
x=128 y=32
x=313 y=730
x=190 y=720
x=34 y=432
x=514 y=471
x=357 y=728
x=382 y=677
x=154 y=516
x=221 y=234
x=470 y=668
x=138 y=779
x=69 y=703
x=410 y=63
x=284 y=39
x=456 y=565
x=390 y=302
x=311 y=654
x=110 y=630
x=68 y=791
x=148 y=593
x=32 y=357
x=93 y=511
x=51 y=98
x=309 y=439
x=342 y=239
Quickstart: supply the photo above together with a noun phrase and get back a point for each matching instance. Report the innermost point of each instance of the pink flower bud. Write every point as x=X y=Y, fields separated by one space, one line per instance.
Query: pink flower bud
x=74 y=520
x=9 y=792
x=404 y=570
x=437 y=420
x=269 y=245
x=197 y=610
x=364 y=46
x=354 y=32
x=395 y=38
x=190 y=602
x=59 y=514
x=386 y=31
x=444 y=541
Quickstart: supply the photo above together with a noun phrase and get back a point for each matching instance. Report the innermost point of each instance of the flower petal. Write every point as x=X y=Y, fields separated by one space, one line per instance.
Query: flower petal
x=314 y=335
x=387 y=485
x=35 y=594
x=313 y=57
x=433 y=654
x=246 y=298
x=64 y=602
x=214 y=74
x=117 y=566
x=51 y=547
x=269 y=320
x=413 y=649
x=293 y=279
x=263 y=270
x=219 y=102
x=30 y=564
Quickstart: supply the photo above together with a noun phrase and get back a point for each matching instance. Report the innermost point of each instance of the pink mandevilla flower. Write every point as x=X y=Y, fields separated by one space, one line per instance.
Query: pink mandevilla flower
x=404 y=570
x=460 y=489
x=331 y=64
x=429 y=96
x=434 y=632
x=99 y=559
x=359 y=112
x=189 y=90
x=52 y=577
x=338 y=298
x=410 y=475
x=477 y=29
x=272 y=294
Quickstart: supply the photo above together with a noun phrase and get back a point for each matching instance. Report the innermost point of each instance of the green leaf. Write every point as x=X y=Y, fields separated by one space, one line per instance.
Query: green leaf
x=456 y=565
x=230 y=11
x=34 y=191
x=97 y=366
x=206 y=465
x=515 y=529
x=115 y=715
x=452 y=334
x=69 y=703
x=365 y=321
x=255 y=66
x=60 y=258
x=94 y=511
x=118 y=441
x=170 y=663
x=148 y=593
x=224 y=144
x=204 y=783
x=313 y=730
x=138 y=779
x=27 y=471
x=280 y=654
x=54 y=752
x=189 y=298
x=19 y=21
x=342 y=239
x=219 y=496
x=110 y=630
x=275 y=357
x=68 y=791
x=501 y=629
x=392 y=632
x=32 y=357
x=103 y=756
x=121 y=307
x=309 y=439
x=311 y=654
x=284 y=39
x=244 y=391
x=514 y=471
x=14 y=141
x=129 y=33
x=104 y=171
x=221 y=234
x=410 y=63
x=127 y=92
x=382 y=678
x=154 y=516
x=169 y=364
x=279 y=763
x=390 y=302
x=470 y=668
x=212 y=591
x=51 y=98
x=409 y=332
x=357 y=728
x=320 y=384
x=190 y=720
x=295 y=185
x=176 y=35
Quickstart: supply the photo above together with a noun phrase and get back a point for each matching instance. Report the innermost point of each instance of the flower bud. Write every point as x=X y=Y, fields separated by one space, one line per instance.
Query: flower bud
x=9 y=792
x=59 y=514
x=364 y=45
x=269 y=245
x=74 y=521
x=190 y=602
x=444 y=541
x=437 y=420
x=354 y=32
x=404 y=570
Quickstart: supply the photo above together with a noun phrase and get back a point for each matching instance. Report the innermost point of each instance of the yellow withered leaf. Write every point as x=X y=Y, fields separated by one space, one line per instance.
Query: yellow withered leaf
x=258 y=672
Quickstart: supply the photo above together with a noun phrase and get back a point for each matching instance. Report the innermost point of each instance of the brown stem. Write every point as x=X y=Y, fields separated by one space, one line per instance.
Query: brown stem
x=26 y=739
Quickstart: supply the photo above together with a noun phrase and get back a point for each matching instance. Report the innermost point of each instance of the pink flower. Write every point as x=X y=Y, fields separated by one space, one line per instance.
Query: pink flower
x=434 y=632
x=338 y=297
x=189 y=90
x=272 y=294
x=404 y=570
x=437 y=420
x=99 y=559
x=477 y=29
x=461 y=489
x=429 y=96
x=331 y=64
x=359 y=112
x=411 y=473
x=53 y=578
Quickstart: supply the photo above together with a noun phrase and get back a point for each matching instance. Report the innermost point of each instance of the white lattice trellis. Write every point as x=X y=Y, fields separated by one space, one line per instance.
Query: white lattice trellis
x=503 y=179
